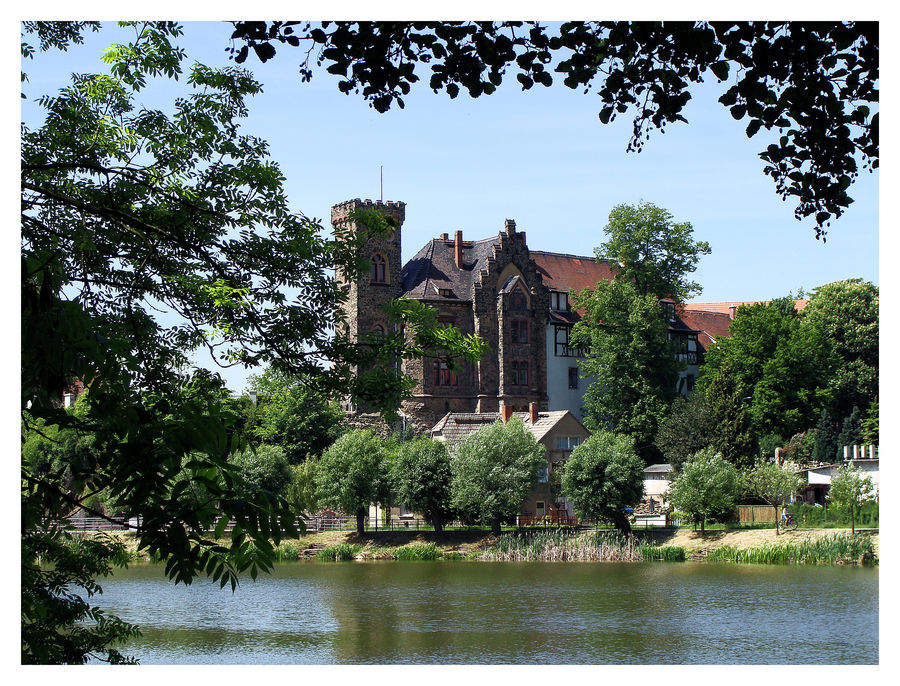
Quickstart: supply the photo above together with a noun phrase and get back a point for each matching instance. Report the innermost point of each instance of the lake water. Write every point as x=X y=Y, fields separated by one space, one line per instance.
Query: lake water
x=506 y=613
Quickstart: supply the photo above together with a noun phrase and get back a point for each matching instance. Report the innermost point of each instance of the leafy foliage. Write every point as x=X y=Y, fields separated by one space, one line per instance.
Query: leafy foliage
x=629 y=353
x=421 y=476
x=825 y=446
x=352 y=473
x=493 y=469
x=266 y=466
x=772 y=484
x=687 y=428
x=851 y=433
x=815 y=83
x=294 y=416
x=301 y=492
x=652 y=250
x=706 y=487
x=148 y=237
x=851 y=488
x=847 y=311
x=604 y=475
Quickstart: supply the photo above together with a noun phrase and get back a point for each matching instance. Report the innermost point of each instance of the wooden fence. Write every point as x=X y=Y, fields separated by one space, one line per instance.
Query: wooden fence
x=756 y=514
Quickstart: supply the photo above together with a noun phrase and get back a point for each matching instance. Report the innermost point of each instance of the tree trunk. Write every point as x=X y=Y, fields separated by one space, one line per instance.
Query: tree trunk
x=438 y=523
x=620 y=520
x=495 y=526
x=360 y=522
x=852 y=520
x=777 y=520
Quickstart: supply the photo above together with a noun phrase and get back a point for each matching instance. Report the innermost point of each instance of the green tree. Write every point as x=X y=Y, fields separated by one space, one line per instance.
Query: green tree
x=851 y=489
x=629 y=353
x=493 y=470
x=301 y=491
x=825 y=446
x=729 y=408
x=266 y=466
x=851 y=433
x=421 y=477
x=687 y=427
x=870 y=424
x=352 y=474
x=653 y=251
x=847 y=311
x=815 y=82
x=128 y=211
x=603 y=476
x=772 y=484
x=706 y=487
x=294 y=416
x=778 y=361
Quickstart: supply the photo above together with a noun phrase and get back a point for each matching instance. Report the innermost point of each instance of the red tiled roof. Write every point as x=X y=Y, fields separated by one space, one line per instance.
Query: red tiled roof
x=725 y=307
x=571 y=272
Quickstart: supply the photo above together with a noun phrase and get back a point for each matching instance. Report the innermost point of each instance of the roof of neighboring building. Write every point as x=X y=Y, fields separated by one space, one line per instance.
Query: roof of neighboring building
x=562 y=272
x=658 y=469
x=725 y=307
x=454 y=426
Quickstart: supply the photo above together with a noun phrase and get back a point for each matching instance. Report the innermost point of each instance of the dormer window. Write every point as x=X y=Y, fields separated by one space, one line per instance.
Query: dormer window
x=668 y=310
x=379 y=269
x=559 y=302
x=445 y=292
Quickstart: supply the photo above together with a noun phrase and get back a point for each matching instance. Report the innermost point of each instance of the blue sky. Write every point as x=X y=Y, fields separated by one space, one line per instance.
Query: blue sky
x=540 y=157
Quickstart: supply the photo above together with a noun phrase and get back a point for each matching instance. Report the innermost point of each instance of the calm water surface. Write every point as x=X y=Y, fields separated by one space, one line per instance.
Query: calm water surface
x=506 y=613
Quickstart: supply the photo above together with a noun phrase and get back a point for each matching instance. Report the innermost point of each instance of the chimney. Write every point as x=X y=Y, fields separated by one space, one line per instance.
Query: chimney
x=505 y=412
x=444 y=236
x=457 y=246
x=533 y=413
x=731 y=310
x=510 y=226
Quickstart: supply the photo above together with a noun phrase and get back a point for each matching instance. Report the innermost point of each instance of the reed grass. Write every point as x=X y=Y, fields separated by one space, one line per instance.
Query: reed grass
x=287 y=551
x=836 y=549
x=418 y=551
x=562 y=546
x=665 y=553
x=338 y=553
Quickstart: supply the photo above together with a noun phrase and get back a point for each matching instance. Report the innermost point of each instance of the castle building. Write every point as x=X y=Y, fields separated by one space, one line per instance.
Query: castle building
x=513 y=298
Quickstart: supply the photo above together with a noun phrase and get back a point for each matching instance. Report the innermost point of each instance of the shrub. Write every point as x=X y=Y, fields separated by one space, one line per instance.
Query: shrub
x=338 y=553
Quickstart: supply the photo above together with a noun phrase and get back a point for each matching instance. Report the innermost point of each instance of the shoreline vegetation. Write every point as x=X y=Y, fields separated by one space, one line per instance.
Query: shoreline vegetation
x=755 y=546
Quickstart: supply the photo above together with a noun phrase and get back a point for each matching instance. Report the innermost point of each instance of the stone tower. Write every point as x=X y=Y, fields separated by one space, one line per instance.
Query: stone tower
x=381 y=281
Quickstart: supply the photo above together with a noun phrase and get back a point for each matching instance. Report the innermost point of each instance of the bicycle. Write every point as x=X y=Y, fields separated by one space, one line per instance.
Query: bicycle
x=789 y=524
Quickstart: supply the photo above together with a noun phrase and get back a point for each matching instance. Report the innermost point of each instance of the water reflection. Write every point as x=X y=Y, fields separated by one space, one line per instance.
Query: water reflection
x=501 y=613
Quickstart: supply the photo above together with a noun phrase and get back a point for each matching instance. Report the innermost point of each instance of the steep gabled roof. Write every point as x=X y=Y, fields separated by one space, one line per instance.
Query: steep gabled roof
x=434 y=268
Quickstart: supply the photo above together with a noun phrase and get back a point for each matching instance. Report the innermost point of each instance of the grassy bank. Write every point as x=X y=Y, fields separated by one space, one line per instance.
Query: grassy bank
x=759 y=545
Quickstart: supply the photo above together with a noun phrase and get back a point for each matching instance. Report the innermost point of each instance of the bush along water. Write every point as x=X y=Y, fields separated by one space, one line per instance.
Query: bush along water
x=835 y=549
x=834 y=515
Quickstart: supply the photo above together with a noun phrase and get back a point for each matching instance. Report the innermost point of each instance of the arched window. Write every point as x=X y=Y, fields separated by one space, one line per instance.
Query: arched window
x=378 y=329
x=379 y=271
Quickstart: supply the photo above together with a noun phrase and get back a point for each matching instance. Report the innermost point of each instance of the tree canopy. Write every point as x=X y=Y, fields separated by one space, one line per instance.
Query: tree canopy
x=353 y=473
x=851 y=488
x=629 y=352
x=811 y=85
x=603 y=476
x=772 y=484
x=706 y=487
x=421 y=476
x=652 y=250
x=493 y=469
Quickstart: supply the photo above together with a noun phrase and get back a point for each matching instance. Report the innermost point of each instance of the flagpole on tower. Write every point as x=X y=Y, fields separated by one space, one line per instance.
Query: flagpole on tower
x=381 y=168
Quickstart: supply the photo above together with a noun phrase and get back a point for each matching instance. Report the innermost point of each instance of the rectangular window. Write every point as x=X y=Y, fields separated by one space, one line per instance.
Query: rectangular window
x=540 y=508
x=520 y=331
x=443 y=376
x=567 y=442
x=559 y=302
x=519 y=373
x=543 y=475
x=561 y=339
x=573 y=377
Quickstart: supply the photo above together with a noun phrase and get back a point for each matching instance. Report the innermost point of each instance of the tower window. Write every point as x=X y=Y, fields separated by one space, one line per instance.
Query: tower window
x=519 y=373
x=573 y=377
x=442 y=374
x=520 y=331
x=379 y=269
